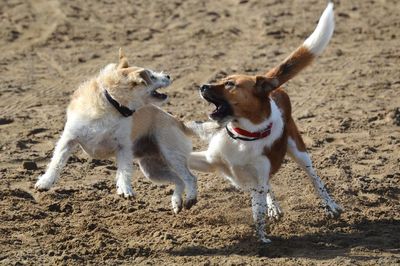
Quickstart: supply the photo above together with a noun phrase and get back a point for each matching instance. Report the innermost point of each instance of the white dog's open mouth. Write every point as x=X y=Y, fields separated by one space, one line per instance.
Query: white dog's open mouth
x=158 y=95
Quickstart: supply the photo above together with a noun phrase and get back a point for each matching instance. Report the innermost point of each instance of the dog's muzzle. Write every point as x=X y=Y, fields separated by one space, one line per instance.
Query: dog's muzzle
x=222 y=107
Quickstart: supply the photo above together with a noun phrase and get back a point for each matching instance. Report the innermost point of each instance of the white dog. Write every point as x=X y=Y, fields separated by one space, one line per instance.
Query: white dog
x=105 y=118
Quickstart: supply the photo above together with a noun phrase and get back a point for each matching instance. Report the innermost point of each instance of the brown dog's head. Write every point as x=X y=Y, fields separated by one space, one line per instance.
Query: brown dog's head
x=133 y=86
x=240 y=96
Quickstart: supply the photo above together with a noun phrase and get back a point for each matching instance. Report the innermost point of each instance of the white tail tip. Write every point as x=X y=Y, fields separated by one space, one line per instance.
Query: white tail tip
x=322 y=34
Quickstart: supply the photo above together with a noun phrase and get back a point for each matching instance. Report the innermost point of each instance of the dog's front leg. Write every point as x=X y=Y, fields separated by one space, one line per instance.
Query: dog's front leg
x=273 y=208
x=63 y=150
x=259 y=208
x=198 y=161
x=124 y=171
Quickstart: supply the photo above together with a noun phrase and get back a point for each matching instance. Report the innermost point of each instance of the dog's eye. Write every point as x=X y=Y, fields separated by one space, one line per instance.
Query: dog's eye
x=229 y=84
x=153 y=77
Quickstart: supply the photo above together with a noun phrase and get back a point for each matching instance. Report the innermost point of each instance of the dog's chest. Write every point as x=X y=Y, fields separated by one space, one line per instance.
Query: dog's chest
x=234 y=152
x=239 y=152
x=101 y=139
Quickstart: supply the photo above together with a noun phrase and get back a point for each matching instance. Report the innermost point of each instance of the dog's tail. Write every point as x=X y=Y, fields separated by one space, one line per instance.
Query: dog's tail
x=203 y=130
x=305 y=54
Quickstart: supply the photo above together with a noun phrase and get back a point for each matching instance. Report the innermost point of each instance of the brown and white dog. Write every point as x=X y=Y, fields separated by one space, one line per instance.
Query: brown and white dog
x=259 y=129
x=113 y=115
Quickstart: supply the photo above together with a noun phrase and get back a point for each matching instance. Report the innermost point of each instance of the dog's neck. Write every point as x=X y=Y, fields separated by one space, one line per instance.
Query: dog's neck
x=123 y=110
x=270 y=128
x=113 y=101
x=247 y=125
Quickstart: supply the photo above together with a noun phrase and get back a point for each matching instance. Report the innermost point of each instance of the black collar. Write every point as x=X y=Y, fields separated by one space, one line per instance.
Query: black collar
x=123 y=110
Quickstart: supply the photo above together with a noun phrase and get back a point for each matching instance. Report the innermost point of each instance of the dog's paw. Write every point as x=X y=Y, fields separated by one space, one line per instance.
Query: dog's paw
x=190 y=202
x=44 y=183
x=265 y=240
x=176 y=204
x=274 y=212
x=332 y=209
x=125 y=190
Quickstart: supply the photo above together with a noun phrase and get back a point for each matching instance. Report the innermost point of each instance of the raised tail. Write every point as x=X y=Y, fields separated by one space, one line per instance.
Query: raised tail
x=305 y=54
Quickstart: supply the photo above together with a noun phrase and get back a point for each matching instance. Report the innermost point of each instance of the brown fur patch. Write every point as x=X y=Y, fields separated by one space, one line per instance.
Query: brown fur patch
x=277 y=153
x=278 y=150
x=245 y=98
x=282 y=100
x=292 y=65
x=294 y=133
x=145 y=146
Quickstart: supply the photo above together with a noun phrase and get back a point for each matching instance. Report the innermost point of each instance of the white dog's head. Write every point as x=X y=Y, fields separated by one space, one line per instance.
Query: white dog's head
x=133 y=86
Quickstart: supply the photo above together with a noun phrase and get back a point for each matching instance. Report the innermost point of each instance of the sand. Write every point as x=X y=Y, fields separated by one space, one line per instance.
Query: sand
x=346 y=104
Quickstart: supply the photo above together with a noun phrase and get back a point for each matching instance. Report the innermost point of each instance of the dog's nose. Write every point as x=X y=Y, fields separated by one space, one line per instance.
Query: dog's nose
x=204 y=87
x=168 y=76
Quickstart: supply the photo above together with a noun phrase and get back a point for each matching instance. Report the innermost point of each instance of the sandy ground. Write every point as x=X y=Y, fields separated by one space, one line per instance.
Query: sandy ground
x=347 y=105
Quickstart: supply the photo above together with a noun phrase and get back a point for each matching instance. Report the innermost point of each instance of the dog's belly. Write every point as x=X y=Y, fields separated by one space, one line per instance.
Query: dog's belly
x=99 y=148
x=242 y=164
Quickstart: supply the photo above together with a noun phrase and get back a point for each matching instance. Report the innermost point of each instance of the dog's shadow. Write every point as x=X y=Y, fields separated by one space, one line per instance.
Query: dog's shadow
x=365 y=236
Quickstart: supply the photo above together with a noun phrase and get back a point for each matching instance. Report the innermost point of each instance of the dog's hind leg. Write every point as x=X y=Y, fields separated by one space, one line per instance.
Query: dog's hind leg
x=155 y=169
x=296 y=149
x=176 y=199
x=178 y=164
x=190 y=184
x=63 y=150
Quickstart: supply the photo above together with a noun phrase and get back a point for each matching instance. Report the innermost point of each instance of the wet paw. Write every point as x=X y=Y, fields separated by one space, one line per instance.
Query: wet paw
x=43 y=183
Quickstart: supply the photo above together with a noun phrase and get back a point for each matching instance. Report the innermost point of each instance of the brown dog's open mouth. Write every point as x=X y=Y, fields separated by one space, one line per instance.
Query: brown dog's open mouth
x=222 y=107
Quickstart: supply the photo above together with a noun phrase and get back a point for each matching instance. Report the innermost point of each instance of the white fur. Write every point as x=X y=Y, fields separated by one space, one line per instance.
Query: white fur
x=242 y=162
x=322 y=34
x=304 y=160
x=237 y=152
x=273 y=209
x=99 y=137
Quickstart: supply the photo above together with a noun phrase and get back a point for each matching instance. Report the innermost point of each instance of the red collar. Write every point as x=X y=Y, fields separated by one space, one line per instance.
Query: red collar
x=239 y=133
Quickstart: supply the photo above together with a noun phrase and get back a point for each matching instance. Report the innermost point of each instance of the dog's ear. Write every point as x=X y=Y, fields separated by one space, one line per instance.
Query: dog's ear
x=142 y=76
x=146 y=76
x=123 y=61
x=266 y=85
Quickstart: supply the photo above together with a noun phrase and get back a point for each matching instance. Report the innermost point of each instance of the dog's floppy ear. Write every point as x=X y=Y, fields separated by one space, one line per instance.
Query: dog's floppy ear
x=146 y=76
x=123 y=61
x=142 y=76
x=266 y=85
